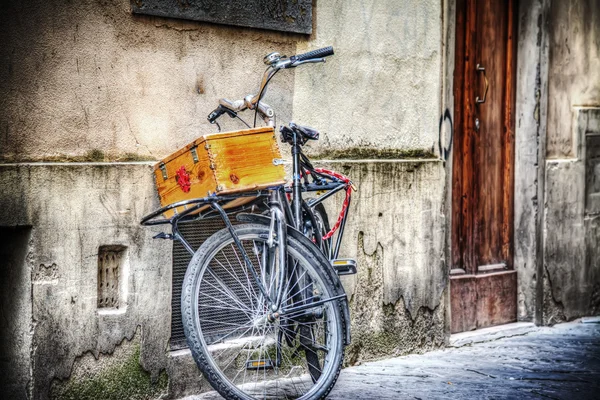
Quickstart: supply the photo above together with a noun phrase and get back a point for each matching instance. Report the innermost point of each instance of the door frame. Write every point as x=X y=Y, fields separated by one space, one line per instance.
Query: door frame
x=531 y=102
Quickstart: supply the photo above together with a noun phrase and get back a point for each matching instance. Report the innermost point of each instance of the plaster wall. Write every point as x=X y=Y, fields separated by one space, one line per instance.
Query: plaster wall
x=90 y=80
x=572 y=223
x=571 y=286
x=574 y=74
x=396 y=234
x=93 y=76
x=73 y=209
x=530 y=152
x=89 y=75
x=382 y=89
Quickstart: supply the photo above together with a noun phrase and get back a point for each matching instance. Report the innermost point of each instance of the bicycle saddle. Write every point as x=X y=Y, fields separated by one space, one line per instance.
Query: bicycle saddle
x=306 y=131
x=303 y=133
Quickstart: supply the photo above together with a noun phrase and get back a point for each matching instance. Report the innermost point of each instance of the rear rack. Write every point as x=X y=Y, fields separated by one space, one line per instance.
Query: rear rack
x=192 y=207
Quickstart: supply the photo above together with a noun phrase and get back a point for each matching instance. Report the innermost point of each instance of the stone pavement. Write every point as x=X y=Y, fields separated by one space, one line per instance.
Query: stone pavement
x=561 y=362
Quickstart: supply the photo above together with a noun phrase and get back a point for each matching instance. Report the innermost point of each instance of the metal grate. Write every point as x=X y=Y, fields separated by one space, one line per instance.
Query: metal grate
x=110 y=259
x=195 y=232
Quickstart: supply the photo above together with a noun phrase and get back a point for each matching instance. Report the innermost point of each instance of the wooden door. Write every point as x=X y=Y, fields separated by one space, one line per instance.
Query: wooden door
x=483 y=282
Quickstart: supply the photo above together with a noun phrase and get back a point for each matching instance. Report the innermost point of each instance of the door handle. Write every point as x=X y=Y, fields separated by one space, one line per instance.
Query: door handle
x=479 y=68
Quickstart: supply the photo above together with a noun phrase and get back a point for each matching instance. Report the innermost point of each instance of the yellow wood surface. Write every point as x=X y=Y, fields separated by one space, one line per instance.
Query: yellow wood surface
x=229 y=162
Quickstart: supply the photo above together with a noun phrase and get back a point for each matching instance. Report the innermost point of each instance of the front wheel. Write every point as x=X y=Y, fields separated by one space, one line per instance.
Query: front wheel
x=244 y=348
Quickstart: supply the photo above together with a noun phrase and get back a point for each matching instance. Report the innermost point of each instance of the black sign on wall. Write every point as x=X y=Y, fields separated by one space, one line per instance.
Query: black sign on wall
x=279 y=15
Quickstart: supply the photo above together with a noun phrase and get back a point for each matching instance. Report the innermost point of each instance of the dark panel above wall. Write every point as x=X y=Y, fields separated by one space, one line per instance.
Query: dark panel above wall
x=279 y=15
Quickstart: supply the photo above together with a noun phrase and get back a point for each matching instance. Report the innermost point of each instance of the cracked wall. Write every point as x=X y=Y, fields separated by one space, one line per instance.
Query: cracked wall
x=396 y=233
x=73 y=210
x=572 y=225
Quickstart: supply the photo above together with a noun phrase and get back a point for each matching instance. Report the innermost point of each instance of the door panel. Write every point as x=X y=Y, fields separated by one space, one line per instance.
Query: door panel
x=483 y=284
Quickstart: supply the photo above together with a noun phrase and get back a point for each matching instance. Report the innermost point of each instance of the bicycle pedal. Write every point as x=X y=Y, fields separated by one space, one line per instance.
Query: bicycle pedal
x=259 y=364
x=344 y=266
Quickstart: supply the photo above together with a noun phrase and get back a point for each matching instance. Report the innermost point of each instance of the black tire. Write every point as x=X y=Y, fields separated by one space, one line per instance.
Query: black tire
x=221 y=340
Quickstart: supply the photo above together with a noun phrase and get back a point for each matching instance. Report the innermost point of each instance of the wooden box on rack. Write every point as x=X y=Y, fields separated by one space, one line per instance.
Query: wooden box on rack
x=220 y=163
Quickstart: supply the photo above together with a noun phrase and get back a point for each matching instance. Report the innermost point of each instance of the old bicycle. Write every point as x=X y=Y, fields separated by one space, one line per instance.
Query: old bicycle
x=263 y=309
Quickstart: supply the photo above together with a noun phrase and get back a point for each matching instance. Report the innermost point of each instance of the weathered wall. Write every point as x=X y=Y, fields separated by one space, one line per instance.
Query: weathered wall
x=530 y=153
x=73 y=209
x=382 y=88
x=396 y=234
x=382 y=91
x=572 y=224
x=88 y=79
x=572 y=237
x=574 y=75
x=88 y=75
x=15 y=309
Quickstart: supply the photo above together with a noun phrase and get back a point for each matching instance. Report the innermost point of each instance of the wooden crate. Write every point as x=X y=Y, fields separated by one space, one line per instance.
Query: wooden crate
x=220 y=163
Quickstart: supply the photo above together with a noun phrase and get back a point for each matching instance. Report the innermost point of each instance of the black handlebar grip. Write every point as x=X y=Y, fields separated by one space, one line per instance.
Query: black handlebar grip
x=319 y=53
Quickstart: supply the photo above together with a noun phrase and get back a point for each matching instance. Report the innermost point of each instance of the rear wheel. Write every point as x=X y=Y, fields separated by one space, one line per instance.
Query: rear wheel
x=243 y=348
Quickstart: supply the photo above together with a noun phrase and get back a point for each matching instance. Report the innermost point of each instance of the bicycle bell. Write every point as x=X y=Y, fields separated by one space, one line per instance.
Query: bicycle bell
x=272 y=58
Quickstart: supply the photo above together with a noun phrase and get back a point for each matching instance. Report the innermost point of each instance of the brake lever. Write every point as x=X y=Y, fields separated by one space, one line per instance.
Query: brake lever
x=309 y=61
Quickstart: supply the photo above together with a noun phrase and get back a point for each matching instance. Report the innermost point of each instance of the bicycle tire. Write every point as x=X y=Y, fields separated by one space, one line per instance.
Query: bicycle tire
x=219 y=358
x=316 y=225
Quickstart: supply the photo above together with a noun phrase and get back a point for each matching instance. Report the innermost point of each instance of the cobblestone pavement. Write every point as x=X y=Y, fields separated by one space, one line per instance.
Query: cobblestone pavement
x=562 y=362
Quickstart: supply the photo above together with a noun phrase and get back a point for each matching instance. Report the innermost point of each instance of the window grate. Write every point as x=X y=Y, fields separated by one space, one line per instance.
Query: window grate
x=110 y=261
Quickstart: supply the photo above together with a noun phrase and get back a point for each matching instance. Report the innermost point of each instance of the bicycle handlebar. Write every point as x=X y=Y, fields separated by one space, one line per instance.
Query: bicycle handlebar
x=318 y=53
x=275 y=62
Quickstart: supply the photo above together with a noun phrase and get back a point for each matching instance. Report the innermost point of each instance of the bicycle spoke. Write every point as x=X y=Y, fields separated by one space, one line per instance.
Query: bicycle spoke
x=226 y=291
x=236 y=277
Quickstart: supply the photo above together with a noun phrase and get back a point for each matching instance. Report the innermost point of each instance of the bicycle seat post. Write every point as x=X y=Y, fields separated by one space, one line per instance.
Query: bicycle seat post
x=296 y=182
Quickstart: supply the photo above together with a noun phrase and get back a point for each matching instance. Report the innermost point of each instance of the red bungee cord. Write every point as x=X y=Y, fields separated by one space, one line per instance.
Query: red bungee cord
x=349 y=188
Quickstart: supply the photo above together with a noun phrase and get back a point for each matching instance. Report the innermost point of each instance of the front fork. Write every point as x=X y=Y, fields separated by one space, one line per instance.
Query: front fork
x=277 y=242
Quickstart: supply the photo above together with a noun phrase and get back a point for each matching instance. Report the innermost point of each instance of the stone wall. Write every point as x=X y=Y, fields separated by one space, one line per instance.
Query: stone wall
x=571 y=271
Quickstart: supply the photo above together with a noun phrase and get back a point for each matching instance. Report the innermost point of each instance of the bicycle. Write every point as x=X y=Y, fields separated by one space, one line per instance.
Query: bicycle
x=263 y=308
